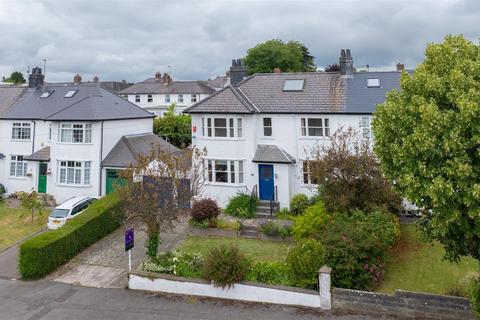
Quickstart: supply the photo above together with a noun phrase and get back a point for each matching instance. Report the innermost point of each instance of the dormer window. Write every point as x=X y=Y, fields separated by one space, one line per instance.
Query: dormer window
x=46 y=94
x=373 y=83
x=293 y=85
x=70 y=93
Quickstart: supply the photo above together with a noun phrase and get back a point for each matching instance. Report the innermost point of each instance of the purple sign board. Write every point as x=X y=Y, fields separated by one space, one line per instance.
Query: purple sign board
x=129 y=239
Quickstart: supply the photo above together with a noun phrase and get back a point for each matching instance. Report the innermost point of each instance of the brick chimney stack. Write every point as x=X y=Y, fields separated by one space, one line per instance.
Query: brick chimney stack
x=400 y=66
x=346 y=63
x=166 y=79
x=238 y=71
x=95 y=79
x=77 y=79
x=158 y=76
x=35 y=79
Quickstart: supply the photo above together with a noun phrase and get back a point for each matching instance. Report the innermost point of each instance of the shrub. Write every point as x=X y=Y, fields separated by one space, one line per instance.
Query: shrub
x=44 y=253
x=271 y=273
x=308 y=224
x=175 y=262
x=298 y=204
x=475 y=296
x=2 y=191
x=205 y=209
x=224 y=266
x=284 y=214
x=304 y=260
x=204 y=224
x=272 y=228
x=228 y=225
x=242 y=205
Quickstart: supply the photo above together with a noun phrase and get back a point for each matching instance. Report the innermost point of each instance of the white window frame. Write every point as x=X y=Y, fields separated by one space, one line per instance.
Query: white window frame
x=366 y=127
x=193 y=98
x=180 y=98
x=150 y=98
x=267 y=127
x=306 y=175
x=233 y=127
x=167 y=98
x=235 y=171
x=74 y=173
x=138 y=98
x=85 y=128
x=21 y=131
x=305 y=127
x=18 y=166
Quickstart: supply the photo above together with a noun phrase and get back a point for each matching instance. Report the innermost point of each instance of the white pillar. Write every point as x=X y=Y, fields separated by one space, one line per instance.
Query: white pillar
x=324 y=288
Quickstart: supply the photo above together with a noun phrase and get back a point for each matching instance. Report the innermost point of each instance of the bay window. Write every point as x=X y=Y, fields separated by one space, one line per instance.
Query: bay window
x=18 y=167
x=74 y=172
x=315 y=127
x=21 y=131
x=224 y=171
x=75 y=133
x=222 y=127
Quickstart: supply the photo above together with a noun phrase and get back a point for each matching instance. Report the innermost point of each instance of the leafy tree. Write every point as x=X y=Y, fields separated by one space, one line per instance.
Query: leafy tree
x=174 y=128
x=332 y=67
x=349 y=177
x=16 y=78
x=292 y=56
x=158 y=190
x=31 y=202
x=427 y=140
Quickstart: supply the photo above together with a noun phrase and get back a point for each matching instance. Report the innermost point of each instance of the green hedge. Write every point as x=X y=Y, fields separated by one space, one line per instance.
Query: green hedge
x=46 y=252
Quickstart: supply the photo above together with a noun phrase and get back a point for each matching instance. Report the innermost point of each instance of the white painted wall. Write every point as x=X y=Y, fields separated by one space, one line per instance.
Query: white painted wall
x=286 y=134
x=159 y=106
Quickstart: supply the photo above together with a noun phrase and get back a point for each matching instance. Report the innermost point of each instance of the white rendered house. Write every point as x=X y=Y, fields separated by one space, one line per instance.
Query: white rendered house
x=259 y=133
x=55 y=138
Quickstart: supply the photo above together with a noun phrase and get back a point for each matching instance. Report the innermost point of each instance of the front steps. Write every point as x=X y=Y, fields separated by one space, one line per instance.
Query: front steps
x=263 y=209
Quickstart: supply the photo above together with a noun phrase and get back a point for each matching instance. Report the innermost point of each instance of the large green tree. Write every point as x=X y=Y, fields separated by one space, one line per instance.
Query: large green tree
x=16 y=78
x=428 y=142
x=176 y=129
x=291 y=56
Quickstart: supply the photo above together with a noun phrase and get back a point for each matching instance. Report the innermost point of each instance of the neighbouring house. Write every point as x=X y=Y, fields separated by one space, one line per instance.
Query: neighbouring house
x=258 y=131
x=69 y=139
x=158 y=93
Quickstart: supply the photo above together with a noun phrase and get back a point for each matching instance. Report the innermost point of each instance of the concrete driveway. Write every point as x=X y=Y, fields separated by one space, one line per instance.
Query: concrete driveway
x=46 y=300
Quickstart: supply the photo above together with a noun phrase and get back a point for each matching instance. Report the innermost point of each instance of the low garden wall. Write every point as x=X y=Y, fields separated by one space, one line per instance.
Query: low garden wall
x=245 y=291
x=404 y=304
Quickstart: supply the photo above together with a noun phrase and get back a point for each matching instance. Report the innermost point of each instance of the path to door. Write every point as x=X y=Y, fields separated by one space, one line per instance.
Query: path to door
x=105 y=264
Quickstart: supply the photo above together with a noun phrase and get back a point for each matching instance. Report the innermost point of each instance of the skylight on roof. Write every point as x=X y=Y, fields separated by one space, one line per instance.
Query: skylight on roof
x=70 y=93
x=46 y=94
x=293 y=85
x=373 y=82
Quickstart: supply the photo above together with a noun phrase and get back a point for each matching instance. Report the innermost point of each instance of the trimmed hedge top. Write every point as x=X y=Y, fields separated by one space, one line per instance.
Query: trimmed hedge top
x=47 y=251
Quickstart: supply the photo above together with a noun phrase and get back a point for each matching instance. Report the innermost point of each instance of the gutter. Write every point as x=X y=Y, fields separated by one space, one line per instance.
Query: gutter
x=100 y=163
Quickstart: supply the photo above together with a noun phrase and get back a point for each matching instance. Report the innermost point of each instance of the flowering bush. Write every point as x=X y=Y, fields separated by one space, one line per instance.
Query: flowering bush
x=175 y=262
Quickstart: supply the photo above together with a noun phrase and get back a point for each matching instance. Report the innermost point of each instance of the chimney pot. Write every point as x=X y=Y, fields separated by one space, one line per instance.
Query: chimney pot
x=400 y=66
x=277 y=70
x=77 y=79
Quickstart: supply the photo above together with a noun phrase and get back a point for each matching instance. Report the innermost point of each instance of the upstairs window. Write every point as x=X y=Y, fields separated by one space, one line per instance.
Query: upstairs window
x=222 y=127
x=137 y=98
x=373 y=83
x=21 y=131
x=315 y=127
x=267 y=127
x=365 y=128
x=193 y=98
x=293 y=85
x=76 y=133
x=150 y=98
x=180 y=98
x=70 y=93
x=167 y=98
x=18 y=167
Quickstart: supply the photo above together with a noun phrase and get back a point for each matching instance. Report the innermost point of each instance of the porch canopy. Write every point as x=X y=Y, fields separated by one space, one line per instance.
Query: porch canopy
x=269 y=153
x=39 y=155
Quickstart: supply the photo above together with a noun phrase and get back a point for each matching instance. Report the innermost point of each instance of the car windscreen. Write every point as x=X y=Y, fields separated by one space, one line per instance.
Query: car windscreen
x=59 y=213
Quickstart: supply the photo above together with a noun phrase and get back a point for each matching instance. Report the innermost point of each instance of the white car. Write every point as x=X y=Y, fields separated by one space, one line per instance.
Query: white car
x=68 y=210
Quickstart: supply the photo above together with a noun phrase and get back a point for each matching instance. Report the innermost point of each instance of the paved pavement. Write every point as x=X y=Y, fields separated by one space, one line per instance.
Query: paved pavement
x=105 y=263
x=46 y=300
x=9 y=263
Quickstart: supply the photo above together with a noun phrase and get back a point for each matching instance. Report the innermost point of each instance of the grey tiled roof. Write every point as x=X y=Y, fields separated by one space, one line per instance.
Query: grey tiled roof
x=324 y=92
x=2 y=155
x=218 y=83
x=90 y=103
x=128 y=148
x=229 y=99
x=40 y=155
x=176 y=87
x=8 y=95
x=272 y=154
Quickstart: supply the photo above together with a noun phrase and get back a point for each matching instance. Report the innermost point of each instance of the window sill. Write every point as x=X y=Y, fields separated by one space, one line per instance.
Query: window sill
x=18 y=178
x=220 y=139
x=313 y=138
x=76 y=143
x=20 y=140
x=74 y=185
x=225 y=184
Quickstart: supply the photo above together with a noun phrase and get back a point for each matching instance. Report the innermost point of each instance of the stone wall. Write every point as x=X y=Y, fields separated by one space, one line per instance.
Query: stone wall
x=404 y=304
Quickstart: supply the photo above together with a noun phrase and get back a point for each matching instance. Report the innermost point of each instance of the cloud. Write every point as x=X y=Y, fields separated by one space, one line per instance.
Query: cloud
x=132 y=39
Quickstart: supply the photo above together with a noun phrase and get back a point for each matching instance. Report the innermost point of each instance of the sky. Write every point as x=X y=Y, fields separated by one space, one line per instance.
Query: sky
x=131 y=40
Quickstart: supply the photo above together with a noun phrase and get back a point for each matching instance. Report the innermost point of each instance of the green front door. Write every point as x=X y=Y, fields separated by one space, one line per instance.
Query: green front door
x=113 y=180
x=42 y=177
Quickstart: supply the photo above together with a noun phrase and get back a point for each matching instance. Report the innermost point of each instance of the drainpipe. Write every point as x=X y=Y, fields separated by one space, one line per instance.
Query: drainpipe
x=101 y=158
x=33 y=138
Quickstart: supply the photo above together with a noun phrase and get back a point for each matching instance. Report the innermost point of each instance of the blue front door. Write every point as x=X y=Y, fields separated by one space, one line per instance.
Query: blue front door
x=265 y=177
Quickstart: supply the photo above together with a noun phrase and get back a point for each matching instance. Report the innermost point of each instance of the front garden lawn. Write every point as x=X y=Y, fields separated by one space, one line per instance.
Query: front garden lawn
x=14 y=228
x=418 y=266
x=257 y=250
